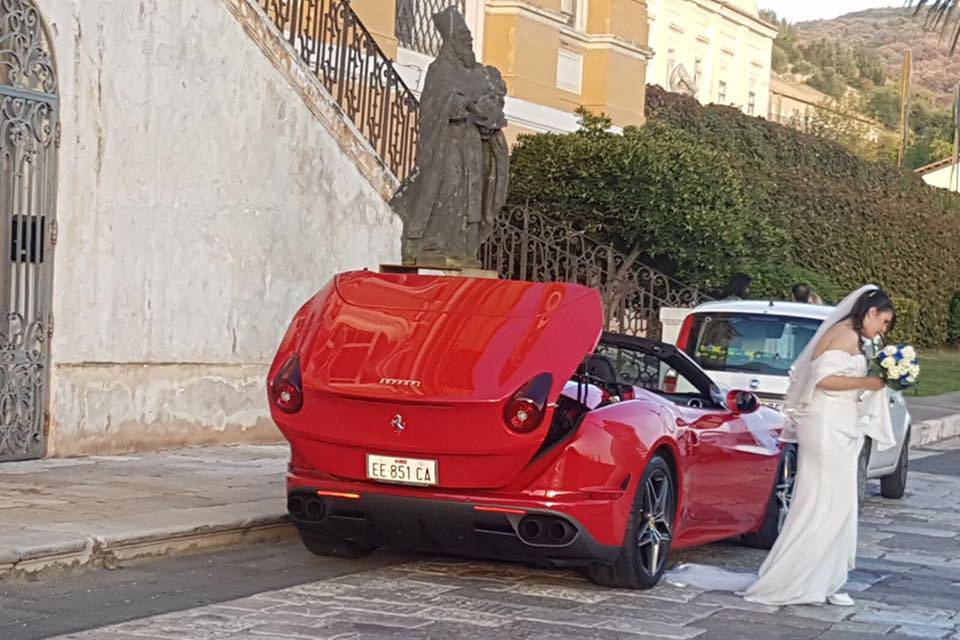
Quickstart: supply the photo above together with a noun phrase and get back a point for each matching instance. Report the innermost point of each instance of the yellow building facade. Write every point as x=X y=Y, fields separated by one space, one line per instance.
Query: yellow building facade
x=718 y=51
x=555 y=55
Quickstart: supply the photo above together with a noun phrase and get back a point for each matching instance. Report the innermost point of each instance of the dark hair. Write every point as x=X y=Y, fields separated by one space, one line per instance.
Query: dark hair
x=801 y=292
x=739 y=284
x=875 y=299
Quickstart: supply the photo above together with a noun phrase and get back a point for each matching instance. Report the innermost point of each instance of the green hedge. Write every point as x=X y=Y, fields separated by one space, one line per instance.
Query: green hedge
x=657 y=188
x=907 y=328
x=953 y=321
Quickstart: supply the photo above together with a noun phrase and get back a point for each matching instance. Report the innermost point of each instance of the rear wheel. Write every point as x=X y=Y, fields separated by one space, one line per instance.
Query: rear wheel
x=894 y=485
x=779 y=505
x=322 y=545
x=646 y=543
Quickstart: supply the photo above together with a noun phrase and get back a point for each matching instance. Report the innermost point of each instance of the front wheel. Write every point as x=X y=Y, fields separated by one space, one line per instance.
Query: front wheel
x=779 y=505
x=646 y=543
x=894 y=485
x=863 y=467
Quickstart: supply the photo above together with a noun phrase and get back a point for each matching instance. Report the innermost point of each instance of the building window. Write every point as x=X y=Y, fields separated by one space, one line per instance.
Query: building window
x=722 y=92
x=569 y=70
x=752 y=103
x=575 y=13
x=697 y=70
x=671 y=60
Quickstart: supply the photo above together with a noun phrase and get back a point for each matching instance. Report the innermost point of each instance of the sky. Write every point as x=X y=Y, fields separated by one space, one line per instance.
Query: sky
x=799 y=10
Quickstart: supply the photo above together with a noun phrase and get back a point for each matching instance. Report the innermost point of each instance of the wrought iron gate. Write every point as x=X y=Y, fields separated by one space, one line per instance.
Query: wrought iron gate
x=29 y=139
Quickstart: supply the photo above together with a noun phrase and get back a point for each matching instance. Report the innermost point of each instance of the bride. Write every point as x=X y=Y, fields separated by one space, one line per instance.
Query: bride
x=817 y=547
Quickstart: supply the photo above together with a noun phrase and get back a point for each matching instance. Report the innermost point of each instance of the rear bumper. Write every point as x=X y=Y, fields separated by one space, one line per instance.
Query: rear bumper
x=463 y=527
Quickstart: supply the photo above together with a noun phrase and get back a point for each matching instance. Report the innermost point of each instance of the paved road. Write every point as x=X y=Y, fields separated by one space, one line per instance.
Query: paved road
x=931 y=408
x=907 y=584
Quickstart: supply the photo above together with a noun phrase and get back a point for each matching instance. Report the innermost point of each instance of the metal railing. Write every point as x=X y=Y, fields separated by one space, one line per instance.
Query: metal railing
x=329 y=37
x=529 y=245
x=414 y=23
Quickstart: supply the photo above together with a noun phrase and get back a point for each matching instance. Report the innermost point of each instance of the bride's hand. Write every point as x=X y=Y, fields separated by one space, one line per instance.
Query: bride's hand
x=874 y=383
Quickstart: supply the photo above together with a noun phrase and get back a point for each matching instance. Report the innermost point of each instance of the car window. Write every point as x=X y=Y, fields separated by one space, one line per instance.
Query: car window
x=749 y=343
x=648 y=371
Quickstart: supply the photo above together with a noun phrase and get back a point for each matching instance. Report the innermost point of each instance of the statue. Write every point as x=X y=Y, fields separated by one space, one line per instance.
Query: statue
x=449 y=202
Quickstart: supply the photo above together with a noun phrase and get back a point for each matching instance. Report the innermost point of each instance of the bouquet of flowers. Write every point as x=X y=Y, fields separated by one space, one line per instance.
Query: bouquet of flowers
x=898 y=365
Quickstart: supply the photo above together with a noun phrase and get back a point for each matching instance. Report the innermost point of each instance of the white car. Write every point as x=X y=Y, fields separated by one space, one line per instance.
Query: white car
x=751 y=344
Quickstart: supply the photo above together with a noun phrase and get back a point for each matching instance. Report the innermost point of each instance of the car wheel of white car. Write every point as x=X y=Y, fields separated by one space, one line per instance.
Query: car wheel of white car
x=894 y=485
x=863 y=466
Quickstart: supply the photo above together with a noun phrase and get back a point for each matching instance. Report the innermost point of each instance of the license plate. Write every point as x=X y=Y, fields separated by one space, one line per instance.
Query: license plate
x=402 y=470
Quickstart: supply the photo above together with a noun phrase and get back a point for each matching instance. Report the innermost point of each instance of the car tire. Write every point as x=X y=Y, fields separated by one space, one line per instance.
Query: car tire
x=779 y=504
x=894 y=485
x=863 y=469
x=646 y=542
x=322 y=545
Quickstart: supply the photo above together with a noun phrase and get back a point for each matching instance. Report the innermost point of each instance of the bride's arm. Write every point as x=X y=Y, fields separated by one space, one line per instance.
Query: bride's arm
x=848 y=383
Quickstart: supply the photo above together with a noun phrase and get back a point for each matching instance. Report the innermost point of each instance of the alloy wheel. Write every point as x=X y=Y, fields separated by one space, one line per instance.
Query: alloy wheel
x=655 y=531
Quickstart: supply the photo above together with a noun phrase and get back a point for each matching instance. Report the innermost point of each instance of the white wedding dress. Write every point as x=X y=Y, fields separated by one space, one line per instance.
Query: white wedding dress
x=818 y=543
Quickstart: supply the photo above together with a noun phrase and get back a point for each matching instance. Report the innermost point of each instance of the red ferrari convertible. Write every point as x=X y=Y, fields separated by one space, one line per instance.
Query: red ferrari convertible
x=495 y=418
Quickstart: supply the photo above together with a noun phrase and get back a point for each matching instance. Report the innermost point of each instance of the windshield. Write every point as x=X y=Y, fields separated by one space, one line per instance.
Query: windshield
x=759 y=344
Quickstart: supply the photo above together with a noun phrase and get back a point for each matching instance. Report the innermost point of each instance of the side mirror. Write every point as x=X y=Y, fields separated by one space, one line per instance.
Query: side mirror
x=742 y=402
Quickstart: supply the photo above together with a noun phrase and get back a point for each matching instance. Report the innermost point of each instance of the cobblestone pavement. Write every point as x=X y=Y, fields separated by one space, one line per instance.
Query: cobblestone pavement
x=907 y=584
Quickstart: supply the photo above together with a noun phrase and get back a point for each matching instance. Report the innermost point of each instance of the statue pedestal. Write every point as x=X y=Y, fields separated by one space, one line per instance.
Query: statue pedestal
x=438 y=270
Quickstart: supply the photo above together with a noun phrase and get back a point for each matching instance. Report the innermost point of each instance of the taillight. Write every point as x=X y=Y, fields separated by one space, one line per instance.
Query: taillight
x=524 y=412
x=686 y=330
x=287 y=388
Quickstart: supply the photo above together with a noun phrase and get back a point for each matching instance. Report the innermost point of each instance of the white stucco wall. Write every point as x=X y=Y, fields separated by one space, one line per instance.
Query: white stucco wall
x=943 y=178
x=732 y=44
x=200 y=204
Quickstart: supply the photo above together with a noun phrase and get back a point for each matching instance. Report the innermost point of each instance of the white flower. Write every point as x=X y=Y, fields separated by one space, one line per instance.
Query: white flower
x=888 y=363
x=911 y=379
x=890 y=350
x=914 y=371
x=908 y=353
x=904 y=367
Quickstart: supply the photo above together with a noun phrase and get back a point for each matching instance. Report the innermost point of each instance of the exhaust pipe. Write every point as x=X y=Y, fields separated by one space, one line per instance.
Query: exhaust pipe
x=531 y=530
x=546 y=531
x=306 y=508
x=295 y=506
x=557 y=531
x=315 y=509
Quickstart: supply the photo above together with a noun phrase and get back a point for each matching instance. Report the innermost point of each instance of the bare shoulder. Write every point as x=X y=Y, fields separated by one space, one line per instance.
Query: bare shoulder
x=840 y=337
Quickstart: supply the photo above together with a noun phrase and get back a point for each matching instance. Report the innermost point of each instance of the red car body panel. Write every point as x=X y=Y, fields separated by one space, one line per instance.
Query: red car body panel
x=448 y=353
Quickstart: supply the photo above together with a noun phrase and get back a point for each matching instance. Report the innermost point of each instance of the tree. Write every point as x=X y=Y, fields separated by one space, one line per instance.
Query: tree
x=941 y=15
x=883 y=103
x=843 y=122
x=655 y=190
x=830 y=82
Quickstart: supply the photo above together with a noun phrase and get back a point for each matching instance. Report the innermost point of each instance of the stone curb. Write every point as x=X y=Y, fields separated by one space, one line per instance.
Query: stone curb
x=930 y=431
x=107 y=551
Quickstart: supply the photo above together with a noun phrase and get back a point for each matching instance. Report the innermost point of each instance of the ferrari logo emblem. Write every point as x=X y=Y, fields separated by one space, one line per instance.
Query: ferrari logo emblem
x=397 y=424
